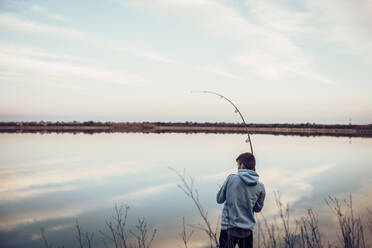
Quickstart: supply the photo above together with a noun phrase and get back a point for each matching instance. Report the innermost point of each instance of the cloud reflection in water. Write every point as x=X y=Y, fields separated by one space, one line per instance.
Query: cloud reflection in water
x=62 y=177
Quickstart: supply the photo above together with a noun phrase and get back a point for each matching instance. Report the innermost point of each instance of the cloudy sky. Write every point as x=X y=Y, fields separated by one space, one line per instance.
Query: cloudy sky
x=138 y=60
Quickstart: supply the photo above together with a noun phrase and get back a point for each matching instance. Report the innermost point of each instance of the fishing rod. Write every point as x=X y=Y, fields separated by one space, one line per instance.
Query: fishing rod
x=236 y=111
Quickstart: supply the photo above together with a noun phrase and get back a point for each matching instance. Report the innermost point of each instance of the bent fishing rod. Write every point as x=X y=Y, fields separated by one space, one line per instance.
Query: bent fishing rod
x=236 y=111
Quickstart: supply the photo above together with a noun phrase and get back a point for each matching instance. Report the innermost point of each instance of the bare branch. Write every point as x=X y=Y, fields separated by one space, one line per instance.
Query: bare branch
x=187 y=186
x=46 y=243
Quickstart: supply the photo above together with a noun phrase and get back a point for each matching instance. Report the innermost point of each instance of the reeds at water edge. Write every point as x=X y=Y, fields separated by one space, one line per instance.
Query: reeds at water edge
x=304 y=231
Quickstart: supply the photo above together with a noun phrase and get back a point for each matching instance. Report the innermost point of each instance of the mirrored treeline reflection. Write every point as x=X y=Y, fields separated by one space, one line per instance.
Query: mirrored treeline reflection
x=50 y=180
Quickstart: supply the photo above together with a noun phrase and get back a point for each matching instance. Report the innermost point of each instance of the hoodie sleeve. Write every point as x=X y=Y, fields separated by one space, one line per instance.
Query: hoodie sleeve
x=260 y=201
x=221 y=195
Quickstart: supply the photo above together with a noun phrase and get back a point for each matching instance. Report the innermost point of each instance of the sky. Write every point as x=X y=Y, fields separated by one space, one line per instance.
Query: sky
x=138 y=60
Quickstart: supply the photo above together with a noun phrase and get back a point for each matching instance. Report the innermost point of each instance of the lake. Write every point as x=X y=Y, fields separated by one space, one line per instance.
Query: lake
x=50 y=180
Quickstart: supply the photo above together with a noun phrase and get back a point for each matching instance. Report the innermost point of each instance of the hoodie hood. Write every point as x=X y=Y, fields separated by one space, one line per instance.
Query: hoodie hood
x=249 y=177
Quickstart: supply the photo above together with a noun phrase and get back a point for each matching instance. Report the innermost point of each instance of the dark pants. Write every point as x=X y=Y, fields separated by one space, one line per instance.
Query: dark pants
x=227 y=241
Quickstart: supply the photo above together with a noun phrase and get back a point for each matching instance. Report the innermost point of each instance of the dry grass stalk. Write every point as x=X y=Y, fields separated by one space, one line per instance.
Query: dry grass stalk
x=141 y=235
x=116 y=236
x=269 y=234
x=369 y=221
x=116 y=228
x=46 y=243
x=289 y=237
x=351 y=227
x=83 y=238
x=257 y=241
x=309 y=231
x=184 y=235
x=188 y=188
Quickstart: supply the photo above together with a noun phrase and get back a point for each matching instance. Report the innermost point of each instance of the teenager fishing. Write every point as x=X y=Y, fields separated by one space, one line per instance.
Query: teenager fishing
x=242 y=195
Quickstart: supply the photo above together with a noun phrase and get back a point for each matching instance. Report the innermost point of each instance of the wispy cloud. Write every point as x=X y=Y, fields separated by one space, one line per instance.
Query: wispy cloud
x=37 y=235
x=27 y=51
x=151 y=190
x=269 y=66
x=250 y=37
x=345 y=24
x=217 y=176
x=47 y=13
x=151 y=55
x=23 y=64
x=296 y=184
x=222 y=72
x=260 y=41
x=11 y=221
x=25 y=193
x=15 y=23
x=15 y=186
x=20 y=167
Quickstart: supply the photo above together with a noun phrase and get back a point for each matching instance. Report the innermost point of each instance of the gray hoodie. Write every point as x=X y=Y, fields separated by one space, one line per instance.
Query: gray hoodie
x=242 y=194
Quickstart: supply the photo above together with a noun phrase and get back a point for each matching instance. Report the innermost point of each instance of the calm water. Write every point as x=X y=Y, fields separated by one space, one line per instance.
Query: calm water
x=50 y=180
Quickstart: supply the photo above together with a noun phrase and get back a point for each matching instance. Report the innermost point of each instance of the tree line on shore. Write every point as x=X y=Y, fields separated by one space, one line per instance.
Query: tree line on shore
x=187 y=124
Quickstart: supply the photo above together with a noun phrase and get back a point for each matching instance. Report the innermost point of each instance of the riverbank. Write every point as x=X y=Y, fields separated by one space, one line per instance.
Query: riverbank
x=303 y=129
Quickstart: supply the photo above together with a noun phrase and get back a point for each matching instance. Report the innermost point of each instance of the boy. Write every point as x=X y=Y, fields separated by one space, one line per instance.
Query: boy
x=243 y=195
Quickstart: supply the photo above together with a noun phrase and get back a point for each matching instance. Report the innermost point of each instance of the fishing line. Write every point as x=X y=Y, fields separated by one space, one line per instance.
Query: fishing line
x=236 y=111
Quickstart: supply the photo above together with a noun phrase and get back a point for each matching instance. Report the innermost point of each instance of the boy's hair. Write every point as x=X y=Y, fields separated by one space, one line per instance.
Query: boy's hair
x=248 y=160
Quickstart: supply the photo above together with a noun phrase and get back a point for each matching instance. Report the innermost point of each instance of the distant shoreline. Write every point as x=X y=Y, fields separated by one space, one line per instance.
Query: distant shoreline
x=302 y=129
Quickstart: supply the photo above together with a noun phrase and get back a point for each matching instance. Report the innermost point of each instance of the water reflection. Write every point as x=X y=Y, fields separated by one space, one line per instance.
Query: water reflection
x=49 y=180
